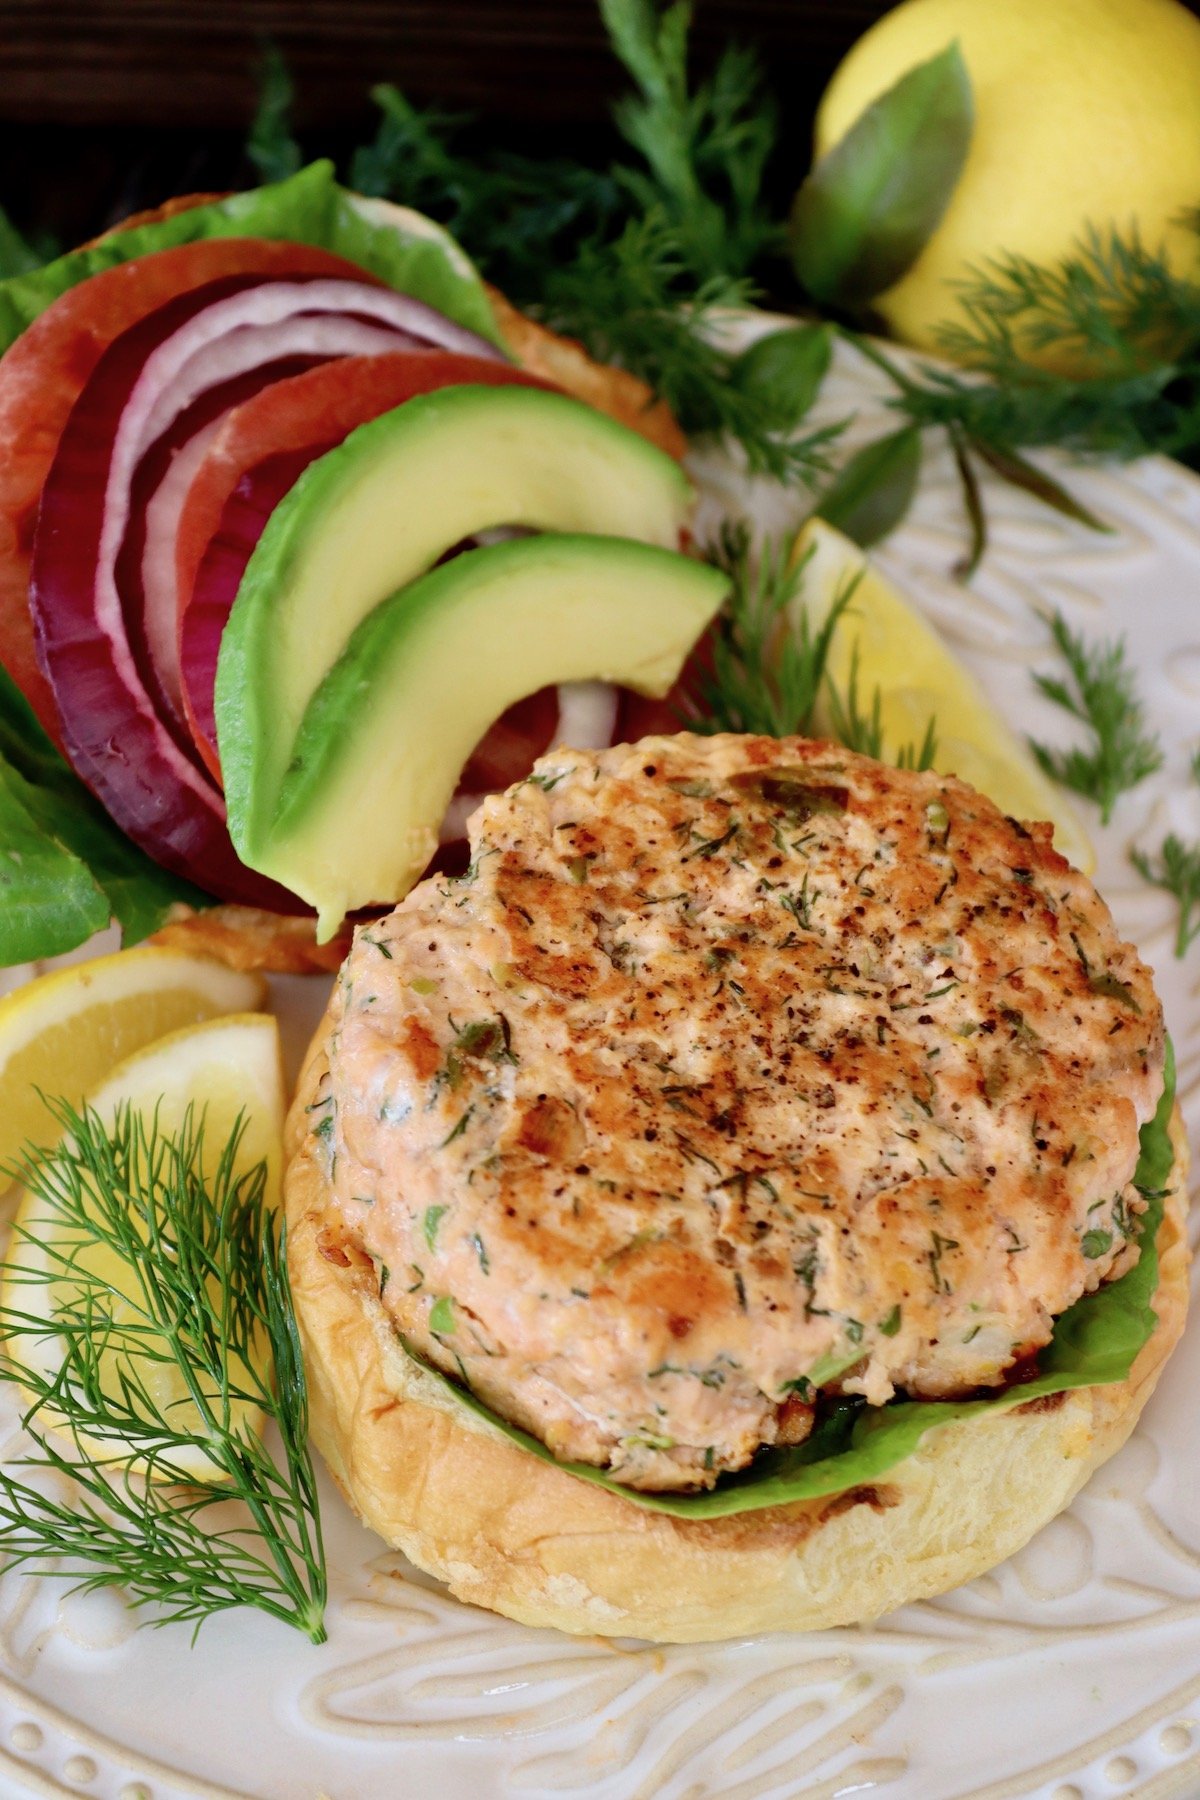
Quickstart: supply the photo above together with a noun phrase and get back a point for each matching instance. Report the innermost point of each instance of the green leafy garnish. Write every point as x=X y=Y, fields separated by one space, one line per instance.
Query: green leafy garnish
x=639 y=260
x=1177 y=870
x=270 y=145
x=17 y=254
x=65 y=868
x=706 y=149
x=48 y=900
x=784 y=370
x=211 y=1304
x=868 y=208
x=768 y=663
x=1113 y=307
x=1100 y=693
x=631 y=302
x=309 y=208
x=863 y=731
x=874 y=488
x=1095 y=1343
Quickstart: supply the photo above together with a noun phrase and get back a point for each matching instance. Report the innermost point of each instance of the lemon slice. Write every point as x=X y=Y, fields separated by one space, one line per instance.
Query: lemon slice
x=918 y=680
x=60 y=1258
x=64 y=1032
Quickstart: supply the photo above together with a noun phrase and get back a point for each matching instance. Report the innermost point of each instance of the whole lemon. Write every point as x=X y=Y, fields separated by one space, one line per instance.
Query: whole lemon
x=1086 y=112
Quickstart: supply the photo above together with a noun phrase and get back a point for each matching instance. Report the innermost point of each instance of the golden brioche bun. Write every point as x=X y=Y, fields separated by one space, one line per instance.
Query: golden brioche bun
x=247 y=937
x=506 y=1531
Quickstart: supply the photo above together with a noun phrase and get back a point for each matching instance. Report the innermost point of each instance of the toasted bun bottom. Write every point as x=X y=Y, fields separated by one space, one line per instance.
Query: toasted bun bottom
x=507 y=1531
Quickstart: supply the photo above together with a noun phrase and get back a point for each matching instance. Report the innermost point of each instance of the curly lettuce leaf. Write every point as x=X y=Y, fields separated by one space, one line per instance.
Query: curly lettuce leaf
x=403 y=248
x=48 y=900
x=65 y=868
x=1094 y=1343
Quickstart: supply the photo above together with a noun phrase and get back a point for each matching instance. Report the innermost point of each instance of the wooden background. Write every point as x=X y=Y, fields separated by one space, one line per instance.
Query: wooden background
x=107 y=105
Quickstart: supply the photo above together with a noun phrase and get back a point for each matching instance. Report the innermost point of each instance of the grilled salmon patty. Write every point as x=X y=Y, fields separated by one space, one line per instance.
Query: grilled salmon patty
x=732 y=1069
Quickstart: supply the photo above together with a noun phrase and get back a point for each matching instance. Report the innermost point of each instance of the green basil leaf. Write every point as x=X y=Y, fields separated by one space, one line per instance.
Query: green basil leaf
x=868 y=208
x=137 y=892
x=784 y=371
x=871 y=493
x=1094 y=1344
x=1023 y=474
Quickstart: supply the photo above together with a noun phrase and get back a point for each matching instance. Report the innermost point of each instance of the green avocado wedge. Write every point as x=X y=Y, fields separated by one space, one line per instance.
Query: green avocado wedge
x=424 y=675
x=381 y=509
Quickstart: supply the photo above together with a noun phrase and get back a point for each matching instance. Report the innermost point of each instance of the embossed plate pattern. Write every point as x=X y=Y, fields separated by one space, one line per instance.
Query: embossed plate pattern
x=1071 y=1673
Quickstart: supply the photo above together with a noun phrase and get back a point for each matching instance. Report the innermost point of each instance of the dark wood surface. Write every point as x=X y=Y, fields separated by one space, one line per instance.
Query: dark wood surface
x=190 y=62
x=108 y=105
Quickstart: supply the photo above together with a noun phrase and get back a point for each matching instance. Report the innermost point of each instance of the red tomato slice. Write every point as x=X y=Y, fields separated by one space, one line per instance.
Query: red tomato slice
x=261 y=449
x=44 y=372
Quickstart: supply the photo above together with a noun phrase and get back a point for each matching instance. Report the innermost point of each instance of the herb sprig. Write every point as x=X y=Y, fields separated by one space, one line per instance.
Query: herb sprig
x=638 y=260
x=1177 y=870
x=207 y=1311
x=1100 y=694
x=770 y=664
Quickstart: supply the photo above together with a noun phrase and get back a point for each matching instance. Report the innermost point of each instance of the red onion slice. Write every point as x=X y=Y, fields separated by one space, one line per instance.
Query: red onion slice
x=314 y=337
x=587 y=715
x=113 y=732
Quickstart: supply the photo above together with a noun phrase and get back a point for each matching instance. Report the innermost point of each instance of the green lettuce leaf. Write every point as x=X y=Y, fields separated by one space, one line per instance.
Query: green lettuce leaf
x=48 y=900
x=1094 y=1343
x=74 y=869
x=409 y=252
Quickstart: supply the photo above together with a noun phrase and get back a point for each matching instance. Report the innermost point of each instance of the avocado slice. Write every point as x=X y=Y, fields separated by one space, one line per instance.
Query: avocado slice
x=382 y=508
x=386 y=734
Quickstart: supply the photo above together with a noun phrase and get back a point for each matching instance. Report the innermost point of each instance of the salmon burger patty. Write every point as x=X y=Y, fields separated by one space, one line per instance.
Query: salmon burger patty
x=735 y=1069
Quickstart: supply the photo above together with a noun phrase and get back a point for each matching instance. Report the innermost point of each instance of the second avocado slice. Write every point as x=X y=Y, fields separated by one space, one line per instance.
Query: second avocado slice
x=380 y=510
x=385 y=736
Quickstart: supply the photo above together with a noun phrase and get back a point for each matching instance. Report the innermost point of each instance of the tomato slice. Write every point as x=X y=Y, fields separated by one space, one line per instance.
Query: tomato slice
x=45 y=371
x=261 y=449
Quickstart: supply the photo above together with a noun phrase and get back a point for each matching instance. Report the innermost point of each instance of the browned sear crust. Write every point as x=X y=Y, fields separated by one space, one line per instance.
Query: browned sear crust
x=737 y=1068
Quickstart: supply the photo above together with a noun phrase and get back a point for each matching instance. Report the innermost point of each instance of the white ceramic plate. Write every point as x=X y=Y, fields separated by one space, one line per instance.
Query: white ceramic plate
x=1071 y=1673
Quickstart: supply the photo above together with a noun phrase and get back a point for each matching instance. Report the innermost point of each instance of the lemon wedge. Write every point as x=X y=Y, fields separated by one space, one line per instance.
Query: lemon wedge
x=918 y=680
x=64 y=1032
x=98 y=1259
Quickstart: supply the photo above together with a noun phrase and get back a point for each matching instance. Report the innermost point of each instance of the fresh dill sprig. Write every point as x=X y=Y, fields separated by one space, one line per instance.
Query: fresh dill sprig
x=1177 y=870
x=706 y=149
x=1115 y=310
x=518 y=216
x=629 y=301
x=270 y=145
x=768 y=663
x=1100 y=694
x=863 y=731
x=203 y=1310
x=1111 y=302
x=636 y=260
